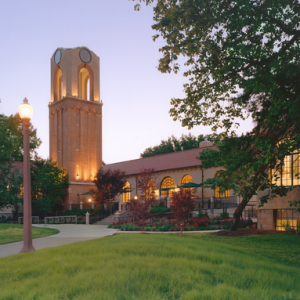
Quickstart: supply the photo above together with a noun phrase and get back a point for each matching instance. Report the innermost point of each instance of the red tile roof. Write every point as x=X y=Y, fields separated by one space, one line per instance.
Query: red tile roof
x=163 y=162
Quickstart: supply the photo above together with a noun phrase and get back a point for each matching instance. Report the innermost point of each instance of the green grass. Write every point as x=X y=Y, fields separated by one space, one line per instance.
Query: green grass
x=10 y=233
x=156 y=266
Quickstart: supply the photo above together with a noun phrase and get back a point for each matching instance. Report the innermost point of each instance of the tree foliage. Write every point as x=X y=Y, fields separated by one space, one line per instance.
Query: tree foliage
x=109 y=184
x=242 y=58
x=11 y=150
x=173 y=144
x=145 y=183
x=183 y=204
x=139 y=211
x=48 y=186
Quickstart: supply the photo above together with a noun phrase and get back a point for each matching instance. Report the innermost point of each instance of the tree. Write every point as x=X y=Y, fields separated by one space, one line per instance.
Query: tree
x=145 y=182
x=48 y=186
x=183 y=204
x=139 y=211
x=173 y=144
x=11 y=150
x=242 y=59
x=109 y=184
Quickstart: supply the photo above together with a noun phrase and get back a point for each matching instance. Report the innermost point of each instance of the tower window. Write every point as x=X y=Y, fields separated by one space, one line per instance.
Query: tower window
x=77 y=144
x=84 y=84
x=77 y=117
x=59 y=83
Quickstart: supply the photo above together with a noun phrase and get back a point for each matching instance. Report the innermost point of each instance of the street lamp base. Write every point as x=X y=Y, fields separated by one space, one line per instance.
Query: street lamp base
x=27 y=248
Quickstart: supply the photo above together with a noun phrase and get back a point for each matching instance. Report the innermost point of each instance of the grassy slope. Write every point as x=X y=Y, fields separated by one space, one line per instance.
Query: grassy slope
x=10 y=233
x=135 y=266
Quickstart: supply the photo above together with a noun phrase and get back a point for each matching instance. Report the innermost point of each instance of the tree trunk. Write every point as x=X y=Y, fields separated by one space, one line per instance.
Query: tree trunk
x=237 y=214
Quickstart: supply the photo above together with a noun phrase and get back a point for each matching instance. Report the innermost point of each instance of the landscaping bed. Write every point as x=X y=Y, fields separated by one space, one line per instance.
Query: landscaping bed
x=194 y=224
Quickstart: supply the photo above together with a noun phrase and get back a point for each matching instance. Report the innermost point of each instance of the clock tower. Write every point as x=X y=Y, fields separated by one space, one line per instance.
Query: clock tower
x=75 y=117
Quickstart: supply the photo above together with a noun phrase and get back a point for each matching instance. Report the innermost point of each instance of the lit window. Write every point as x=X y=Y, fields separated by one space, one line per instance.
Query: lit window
x=289 y=172
x=150 y=191
x=126 y=193
x=59 y=84
x=84 y=84
x=186 y=179
x=218 y=192
x=286 y=218
x=167 y=187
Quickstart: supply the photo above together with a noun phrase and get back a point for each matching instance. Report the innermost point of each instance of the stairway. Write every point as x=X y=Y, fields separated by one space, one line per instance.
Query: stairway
x=110 y=219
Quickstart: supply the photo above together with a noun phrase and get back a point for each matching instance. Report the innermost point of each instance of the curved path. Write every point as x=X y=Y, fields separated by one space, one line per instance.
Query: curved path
x=69 y=233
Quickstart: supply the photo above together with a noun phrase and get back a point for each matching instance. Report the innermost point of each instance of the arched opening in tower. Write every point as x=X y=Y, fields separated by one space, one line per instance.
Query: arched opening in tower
x=84 y=84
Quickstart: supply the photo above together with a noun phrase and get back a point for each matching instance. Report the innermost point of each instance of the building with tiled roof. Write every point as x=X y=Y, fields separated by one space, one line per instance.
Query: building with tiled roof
x=170 y=171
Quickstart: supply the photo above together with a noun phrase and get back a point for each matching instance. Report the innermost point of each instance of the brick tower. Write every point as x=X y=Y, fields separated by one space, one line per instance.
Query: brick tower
x=75 y=116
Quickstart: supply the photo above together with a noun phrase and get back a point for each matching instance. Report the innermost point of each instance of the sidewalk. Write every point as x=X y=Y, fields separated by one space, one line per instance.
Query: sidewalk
x=69 y=233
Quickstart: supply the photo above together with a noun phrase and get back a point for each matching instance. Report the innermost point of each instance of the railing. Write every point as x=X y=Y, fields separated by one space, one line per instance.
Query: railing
x=60 y=219
x=20 y=220
x=250 y=212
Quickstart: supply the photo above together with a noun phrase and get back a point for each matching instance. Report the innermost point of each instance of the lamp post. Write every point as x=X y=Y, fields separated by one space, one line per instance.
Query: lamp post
x=25 y=112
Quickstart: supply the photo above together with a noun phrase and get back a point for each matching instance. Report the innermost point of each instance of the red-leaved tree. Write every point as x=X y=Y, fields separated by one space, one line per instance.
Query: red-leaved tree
x=145 y=183
x=109 y=184
x=139 y=211
x=183 y=204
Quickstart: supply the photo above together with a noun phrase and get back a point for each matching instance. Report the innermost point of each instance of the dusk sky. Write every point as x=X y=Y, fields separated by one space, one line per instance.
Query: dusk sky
x=136 y=96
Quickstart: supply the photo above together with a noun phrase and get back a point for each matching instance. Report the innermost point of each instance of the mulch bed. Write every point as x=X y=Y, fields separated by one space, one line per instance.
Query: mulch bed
x=248 y=231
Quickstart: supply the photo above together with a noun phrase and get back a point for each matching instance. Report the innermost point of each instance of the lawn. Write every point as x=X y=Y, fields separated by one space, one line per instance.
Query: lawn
x=157 y=266
x=10 y=233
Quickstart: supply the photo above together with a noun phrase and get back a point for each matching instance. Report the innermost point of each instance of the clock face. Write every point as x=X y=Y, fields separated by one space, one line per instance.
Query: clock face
x=85 y=55
x=57 y=56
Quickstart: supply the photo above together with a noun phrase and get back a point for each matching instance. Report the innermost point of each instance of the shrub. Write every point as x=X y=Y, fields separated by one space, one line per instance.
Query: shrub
x=155 y=210
x=226 y=226
x=224 y=215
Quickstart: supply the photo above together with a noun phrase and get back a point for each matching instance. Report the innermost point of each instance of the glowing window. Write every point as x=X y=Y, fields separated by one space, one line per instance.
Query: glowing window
x=59 y=84
x=186 y=179
x=126 y=192
x=150 y=191
x=289 y=172
x=218 y=192
x=286 y=218
x=167 y=187
x=84 y=84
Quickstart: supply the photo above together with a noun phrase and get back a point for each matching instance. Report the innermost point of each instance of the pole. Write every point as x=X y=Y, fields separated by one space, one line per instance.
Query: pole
x=27 y=222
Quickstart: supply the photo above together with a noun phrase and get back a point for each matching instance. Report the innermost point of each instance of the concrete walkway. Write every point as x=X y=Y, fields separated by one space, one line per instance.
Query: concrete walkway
x=69 y=233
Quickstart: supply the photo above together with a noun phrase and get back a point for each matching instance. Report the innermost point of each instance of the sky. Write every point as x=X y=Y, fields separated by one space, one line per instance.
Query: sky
x=136 y=96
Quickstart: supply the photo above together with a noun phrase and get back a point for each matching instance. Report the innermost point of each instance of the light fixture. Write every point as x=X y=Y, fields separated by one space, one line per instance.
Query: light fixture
x=25 y=110
x=90 y=200
x=135 y=197
x=77 y=176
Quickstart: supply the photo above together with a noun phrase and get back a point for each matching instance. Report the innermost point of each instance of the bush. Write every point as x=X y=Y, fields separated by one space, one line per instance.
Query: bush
x=224 y=215
x=226 y=226
x=155 y=210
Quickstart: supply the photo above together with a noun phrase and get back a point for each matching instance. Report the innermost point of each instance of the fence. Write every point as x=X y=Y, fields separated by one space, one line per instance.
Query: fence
x=35 y=220
x=250 y=212
x=60 y=219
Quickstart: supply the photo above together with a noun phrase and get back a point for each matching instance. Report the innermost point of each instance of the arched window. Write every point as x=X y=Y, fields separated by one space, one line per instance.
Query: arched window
x=126 y=192
x=59 y=84
x=84 y=84
x=167 y=187
x=218 y=192
x=150 y=191
x=186 y=179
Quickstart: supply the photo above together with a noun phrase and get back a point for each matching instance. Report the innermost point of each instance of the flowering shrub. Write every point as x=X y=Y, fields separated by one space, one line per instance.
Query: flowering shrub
x=194 y=223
